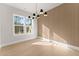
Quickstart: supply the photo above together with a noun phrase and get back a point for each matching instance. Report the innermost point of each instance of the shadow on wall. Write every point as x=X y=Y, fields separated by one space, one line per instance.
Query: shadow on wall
x=46 y=34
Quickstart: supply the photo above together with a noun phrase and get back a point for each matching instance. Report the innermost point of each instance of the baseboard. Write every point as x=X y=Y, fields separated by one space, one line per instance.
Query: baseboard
x=74 y=47
x=15 y=42
x=68 y=45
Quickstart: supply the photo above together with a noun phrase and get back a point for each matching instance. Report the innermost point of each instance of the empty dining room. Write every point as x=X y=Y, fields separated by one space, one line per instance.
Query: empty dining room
x=39 y=29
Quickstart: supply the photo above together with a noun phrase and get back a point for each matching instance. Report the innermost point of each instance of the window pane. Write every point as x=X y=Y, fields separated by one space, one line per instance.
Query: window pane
x=16 y=29
x=19 y=20
x=28 y=29
x=19 y=29
x=28 y=21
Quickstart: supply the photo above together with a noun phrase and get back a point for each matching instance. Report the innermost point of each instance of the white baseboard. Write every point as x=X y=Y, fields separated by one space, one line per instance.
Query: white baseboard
x=11 y=43
x=68 y=45
x=74 y=47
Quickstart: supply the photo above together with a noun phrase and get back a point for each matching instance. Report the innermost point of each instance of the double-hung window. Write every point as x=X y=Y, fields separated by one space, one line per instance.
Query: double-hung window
x=22 y=25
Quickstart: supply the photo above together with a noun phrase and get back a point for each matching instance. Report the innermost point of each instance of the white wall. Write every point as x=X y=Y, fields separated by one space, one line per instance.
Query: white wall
x=0 y=32
x=6 y=19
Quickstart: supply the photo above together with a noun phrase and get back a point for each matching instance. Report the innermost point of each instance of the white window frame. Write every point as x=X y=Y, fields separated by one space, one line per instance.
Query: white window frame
x=20 y=25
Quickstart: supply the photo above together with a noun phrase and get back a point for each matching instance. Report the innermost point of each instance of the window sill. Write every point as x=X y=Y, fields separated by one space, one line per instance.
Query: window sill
x=22 y=34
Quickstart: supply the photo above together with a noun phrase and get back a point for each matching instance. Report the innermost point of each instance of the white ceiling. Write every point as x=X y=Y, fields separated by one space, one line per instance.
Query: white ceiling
x=31 y=7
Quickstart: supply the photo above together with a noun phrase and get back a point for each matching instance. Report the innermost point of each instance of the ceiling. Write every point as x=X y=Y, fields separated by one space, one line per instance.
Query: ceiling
x=31 y=7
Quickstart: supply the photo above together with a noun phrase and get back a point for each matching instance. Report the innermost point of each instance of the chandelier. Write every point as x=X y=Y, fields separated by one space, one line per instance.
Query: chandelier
x=37 y=15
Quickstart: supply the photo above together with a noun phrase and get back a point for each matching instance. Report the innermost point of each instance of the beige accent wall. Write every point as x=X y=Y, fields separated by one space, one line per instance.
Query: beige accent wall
x=61 y=24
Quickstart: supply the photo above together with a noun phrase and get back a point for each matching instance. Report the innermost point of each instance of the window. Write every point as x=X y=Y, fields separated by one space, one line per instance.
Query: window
x=22 y=25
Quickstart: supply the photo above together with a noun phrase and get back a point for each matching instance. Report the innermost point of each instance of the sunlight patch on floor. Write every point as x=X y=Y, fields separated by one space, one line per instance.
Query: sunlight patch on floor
x=46 y=42
x=42 y=43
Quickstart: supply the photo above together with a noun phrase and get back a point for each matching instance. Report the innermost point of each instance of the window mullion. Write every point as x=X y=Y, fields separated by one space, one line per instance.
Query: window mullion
x=24 y=29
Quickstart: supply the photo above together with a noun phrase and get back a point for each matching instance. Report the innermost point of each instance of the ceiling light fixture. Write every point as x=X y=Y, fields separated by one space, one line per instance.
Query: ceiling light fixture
x=45 y=14
x=41 y=11
x=36 y=14
x=29 y=17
